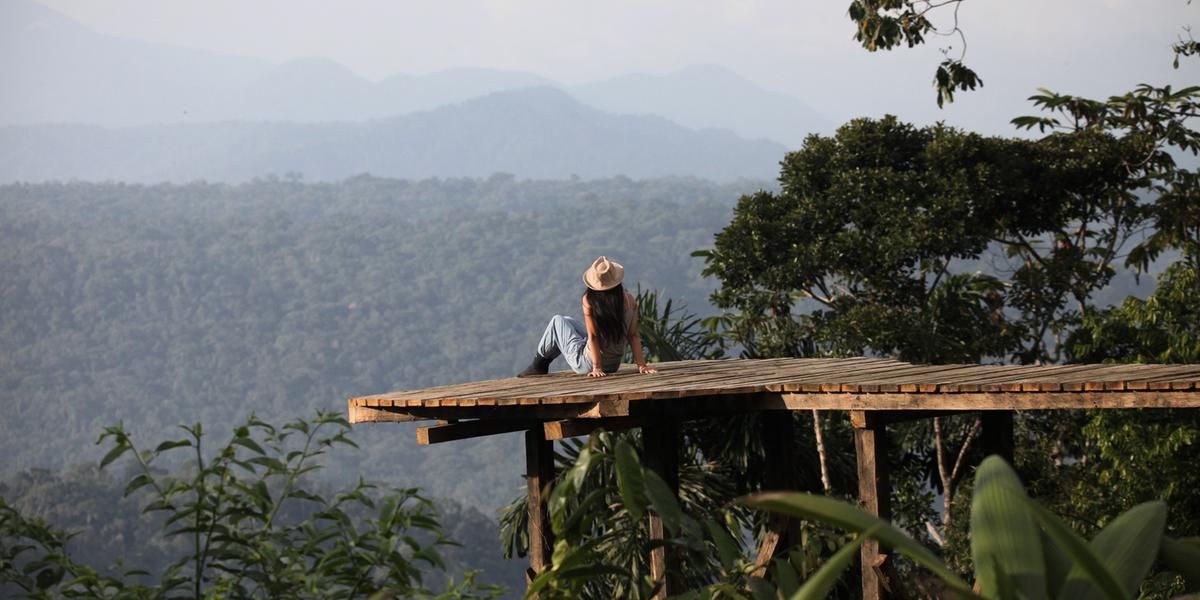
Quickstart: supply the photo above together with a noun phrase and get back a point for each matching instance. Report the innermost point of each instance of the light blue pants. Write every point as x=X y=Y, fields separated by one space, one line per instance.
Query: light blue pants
x=566 y=337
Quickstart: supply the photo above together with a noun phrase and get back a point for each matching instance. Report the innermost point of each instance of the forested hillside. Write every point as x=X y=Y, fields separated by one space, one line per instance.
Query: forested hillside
x=161 y=305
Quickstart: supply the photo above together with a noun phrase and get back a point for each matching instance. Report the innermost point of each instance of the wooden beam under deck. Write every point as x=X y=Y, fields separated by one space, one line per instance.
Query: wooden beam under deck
x=462 y=430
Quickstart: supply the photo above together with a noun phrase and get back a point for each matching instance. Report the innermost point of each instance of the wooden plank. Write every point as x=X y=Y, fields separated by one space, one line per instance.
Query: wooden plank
x=1053 y=379
x=661 y=448
x=357 y=413
x=992 y=400
x=877 y=418
x=870 y=379
x=812 y=382
x=1001 y=375
x=968 y=374
x=539 y=476
x=874 y=495
x=897 y=379
x=450 y=432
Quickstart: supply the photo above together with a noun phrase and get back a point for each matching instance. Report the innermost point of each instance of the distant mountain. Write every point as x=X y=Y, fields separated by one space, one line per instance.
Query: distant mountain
x=62 y=72
x=316 y=90
x=530 y=133
x=708 y=96
x=55 y=70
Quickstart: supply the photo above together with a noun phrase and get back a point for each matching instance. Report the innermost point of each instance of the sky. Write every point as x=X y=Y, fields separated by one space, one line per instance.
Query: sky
x=803 y=48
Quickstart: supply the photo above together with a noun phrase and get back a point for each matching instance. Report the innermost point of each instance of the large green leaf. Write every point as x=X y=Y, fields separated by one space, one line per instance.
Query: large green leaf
x=1086 y=561
x=582 y=511
x=1005 y=542
x=662 y=498
x=760 y=589
x=852 y=518
x=1057 y=563
x=818 y=586
x=1127 y=547
x=786 y=576
x=630 y=480
x=727 y=547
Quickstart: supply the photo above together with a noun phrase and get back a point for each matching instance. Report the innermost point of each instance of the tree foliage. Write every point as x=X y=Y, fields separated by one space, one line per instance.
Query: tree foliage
x=884 y=230
x=888 y=24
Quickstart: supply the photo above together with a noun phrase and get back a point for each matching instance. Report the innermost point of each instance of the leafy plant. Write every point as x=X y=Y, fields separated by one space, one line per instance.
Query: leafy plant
x=598 y=507
x=1019 y=548
x=255 y=528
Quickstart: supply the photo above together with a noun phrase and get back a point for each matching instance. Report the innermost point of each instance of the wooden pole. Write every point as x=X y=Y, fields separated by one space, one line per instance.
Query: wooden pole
x=998 y=433
x=660 y=443
x=779 y=435
x=539 y=473
x=874 y=494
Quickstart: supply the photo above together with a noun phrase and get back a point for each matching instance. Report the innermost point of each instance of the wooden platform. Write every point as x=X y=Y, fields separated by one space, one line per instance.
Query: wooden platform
x=857 y=384
x=876 y=392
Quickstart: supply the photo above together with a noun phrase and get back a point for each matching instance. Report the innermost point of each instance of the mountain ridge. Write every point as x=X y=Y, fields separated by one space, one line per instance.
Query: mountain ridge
x=68 y=73
x=539 y=132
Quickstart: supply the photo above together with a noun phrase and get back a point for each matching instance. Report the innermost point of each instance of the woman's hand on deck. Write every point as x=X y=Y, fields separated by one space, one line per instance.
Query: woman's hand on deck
x=646 y=369
x=596 y=372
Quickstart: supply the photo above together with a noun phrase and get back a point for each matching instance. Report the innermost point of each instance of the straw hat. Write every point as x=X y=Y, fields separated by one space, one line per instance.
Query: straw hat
x=604 y=274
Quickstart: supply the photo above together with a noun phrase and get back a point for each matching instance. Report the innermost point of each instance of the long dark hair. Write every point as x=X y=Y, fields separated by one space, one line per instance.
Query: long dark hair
x=608 y=313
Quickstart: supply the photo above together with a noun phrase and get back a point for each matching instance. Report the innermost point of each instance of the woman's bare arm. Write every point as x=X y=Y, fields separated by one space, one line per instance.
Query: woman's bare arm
x=593 y=349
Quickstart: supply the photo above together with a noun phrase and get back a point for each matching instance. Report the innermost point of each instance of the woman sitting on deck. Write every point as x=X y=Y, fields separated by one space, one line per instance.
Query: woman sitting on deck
x=595 y=346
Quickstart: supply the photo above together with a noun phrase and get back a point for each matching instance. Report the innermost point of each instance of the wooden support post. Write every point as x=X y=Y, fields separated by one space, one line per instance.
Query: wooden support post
x=539 y=473
x=779 y=434
x=874 y=494
x=661 y=448
x=998 y=433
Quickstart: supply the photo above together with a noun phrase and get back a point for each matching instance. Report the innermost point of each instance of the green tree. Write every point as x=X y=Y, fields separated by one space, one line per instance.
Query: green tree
x=881 y=231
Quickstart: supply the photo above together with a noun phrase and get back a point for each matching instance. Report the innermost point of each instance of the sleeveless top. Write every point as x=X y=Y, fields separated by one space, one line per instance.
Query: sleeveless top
x=611 y=353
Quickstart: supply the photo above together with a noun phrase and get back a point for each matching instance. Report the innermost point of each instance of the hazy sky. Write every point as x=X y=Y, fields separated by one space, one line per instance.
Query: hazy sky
x=802 y=47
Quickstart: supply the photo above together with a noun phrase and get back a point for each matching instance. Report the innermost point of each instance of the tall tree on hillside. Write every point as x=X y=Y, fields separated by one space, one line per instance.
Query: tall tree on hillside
x=877 y=240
